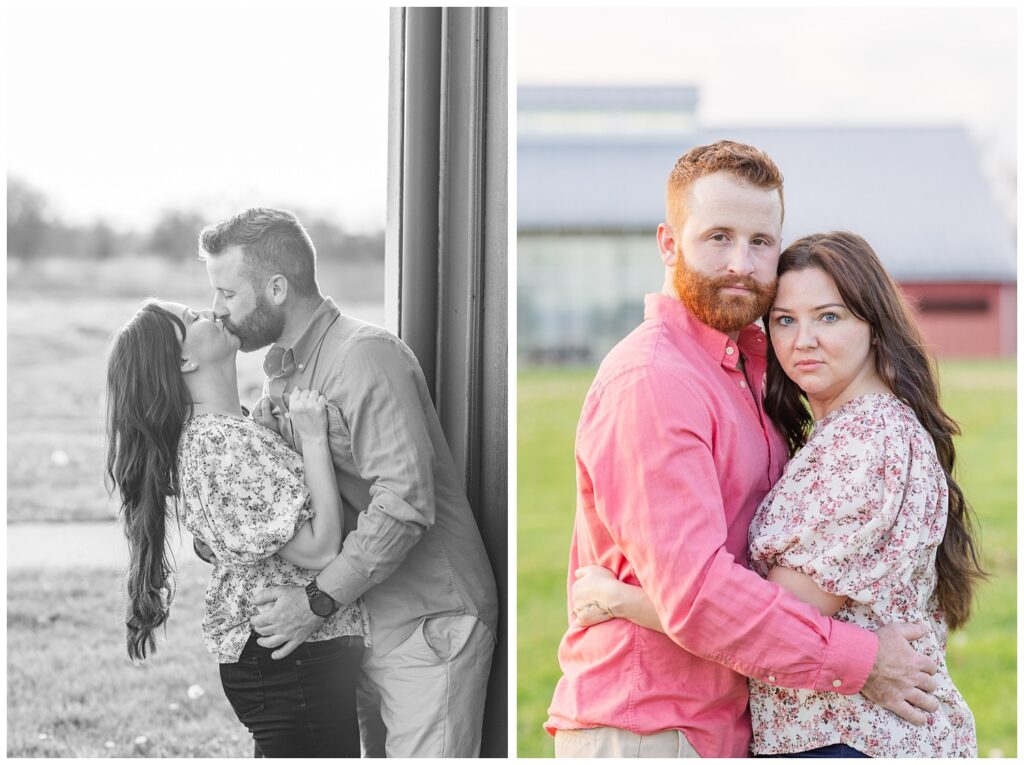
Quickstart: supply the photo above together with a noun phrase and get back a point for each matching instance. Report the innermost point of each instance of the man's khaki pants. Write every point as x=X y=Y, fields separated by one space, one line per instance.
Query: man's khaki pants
x=614 y=742
x=430 y=691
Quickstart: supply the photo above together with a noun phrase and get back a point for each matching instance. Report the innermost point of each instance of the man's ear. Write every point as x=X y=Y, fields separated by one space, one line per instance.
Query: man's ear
x=667 y=245
x=277 y=289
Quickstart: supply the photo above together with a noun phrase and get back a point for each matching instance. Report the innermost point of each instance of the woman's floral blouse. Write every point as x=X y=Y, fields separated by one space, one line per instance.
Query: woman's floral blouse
x=243 y=493
x=861 y=509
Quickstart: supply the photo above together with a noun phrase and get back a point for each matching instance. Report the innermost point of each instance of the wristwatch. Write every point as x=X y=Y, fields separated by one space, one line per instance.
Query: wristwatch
x=320 y=603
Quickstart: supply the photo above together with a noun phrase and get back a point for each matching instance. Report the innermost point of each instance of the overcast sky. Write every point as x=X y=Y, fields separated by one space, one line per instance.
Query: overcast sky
x=123 y=112
x=799 y=66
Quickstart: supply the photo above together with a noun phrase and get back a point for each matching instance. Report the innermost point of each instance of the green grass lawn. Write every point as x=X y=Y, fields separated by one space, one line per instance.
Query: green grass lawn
x=982 y=657
x=72 y=692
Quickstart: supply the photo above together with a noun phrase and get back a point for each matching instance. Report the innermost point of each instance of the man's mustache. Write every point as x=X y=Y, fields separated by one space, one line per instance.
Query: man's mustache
x=746 y=282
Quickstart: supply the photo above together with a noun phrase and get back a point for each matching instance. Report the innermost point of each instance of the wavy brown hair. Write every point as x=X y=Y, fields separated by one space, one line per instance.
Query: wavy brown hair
x=872 y=296
x=147 y=406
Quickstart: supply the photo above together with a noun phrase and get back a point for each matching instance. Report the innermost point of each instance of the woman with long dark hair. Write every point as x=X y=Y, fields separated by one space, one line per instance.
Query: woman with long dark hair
x=867 y=523
x=179 y=446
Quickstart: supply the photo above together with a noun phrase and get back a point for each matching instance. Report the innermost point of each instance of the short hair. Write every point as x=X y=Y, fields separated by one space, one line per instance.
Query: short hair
x=273 y=242
x=744 y=162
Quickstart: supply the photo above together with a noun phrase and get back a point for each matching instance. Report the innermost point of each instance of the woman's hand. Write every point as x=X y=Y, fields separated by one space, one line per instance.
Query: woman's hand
x=261 y=413
x=591 y=595
x=598 y=596
x=307 y=411
x=318 y=540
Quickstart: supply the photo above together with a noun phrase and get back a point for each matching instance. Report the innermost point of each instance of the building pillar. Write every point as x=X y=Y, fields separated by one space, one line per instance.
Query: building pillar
x=446 y=258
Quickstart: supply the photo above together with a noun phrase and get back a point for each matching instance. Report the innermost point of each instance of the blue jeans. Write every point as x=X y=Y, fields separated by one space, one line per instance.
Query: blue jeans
x=303 y=705
x=832 y=750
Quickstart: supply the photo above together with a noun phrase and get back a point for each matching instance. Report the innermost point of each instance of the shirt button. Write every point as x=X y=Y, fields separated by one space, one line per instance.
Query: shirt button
x=743 y=384
x=771 y=678
x=730 y=350
x=302 y=366
x=836 y=683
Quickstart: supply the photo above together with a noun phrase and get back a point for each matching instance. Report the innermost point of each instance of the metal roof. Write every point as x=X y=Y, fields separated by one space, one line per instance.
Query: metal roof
x=608 y=98
x=916 y=194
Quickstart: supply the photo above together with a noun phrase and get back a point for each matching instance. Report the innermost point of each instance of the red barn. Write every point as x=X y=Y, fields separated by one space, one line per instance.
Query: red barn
x=967 y=319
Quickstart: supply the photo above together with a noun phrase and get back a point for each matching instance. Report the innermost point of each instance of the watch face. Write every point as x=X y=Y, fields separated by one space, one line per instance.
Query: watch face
x=321 y=604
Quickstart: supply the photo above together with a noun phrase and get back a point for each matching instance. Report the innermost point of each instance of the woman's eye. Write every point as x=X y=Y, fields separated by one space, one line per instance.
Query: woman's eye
x=830 y=317
x=784 y=321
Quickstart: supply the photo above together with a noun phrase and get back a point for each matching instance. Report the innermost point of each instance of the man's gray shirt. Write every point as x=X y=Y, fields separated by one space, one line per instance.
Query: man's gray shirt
x=412 y=547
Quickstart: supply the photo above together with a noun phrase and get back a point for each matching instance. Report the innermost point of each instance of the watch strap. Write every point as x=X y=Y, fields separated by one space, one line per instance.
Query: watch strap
x=312 y=591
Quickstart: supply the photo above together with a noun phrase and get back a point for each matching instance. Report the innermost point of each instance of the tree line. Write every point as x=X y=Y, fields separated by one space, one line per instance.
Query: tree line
x=35 y=231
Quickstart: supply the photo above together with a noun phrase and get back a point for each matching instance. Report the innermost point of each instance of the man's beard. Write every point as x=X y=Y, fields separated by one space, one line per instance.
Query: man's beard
x=726 y=313
x=261 y=328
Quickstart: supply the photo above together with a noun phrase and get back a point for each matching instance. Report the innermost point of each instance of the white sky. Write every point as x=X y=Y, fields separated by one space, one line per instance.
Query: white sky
x=799 y=66
x=124 y=112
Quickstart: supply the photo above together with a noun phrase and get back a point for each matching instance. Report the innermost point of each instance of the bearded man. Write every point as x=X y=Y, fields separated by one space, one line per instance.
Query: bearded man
x=674 y=453
x=413 y=555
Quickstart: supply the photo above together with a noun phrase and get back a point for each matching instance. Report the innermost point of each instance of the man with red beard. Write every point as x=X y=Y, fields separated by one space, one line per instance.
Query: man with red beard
x=674 y=453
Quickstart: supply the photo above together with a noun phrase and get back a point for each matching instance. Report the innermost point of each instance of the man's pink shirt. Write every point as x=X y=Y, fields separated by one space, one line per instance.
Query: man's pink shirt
x=673 y=455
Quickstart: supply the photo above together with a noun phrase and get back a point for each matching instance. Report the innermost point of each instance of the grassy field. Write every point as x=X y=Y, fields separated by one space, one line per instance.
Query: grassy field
x=982 y=657
x=71 y=691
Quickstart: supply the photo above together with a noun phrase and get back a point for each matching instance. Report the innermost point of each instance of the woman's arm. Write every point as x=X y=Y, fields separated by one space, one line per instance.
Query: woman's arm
x=805 y=588
x=598 y=596
x=318 y=540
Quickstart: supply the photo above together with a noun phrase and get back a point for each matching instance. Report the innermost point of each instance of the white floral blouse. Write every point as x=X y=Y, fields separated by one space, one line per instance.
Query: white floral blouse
x=861 y=509
x=243 y=493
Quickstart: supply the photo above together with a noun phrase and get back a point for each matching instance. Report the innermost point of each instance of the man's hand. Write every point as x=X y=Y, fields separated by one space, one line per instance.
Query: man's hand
x=902 y=679
x=284 y=619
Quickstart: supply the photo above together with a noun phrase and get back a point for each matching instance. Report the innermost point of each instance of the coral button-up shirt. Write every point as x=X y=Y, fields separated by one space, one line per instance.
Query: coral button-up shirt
x=674 y=453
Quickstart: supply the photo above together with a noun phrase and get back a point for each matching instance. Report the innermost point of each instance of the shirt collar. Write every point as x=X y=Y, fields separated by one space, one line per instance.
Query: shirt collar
x=281 y=360
x=716 y=344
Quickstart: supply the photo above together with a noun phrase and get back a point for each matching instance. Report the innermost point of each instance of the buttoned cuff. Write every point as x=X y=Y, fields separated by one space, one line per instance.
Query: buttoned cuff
x=342 y=581
x=851 y=655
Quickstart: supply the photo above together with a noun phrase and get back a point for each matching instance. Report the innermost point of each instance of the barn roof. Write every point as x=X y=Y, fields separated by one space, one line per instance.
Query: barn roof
x=916 y=193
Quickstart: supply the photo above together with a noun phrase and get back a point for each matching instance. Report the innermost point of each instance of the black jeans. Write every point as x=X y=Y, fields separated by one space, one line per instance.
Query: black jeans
x=303 y=705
